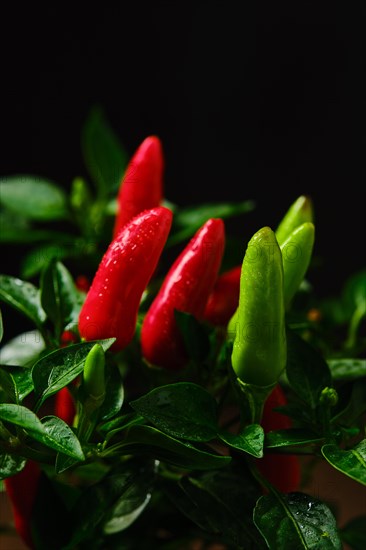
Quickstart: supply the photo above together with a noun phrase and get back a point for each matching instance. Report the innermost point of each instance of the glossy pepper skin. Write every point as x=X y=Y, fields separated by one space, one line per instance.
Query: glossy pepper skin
x=111 y=304
x=65 y=405
x=22 y=490
x=142 y=184
x=224 y=298
x=282 y=471
x=186 y=287
x=259 y=347
x=296 y=255
x=300 y=211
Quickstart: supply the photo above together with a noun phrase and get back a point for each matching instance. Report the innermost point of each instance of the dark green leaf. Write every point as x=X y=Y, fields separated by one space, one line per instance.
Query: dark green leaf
x=10 y=465
x=16 y=381
x=354 y=533
x=221 y=503
x=57 y=435
x=355 y=406
x=250 y=440
x=38 y=258
x=98 y=503
x=295 y=521
x=23 y=296
x=307 y=371
x=22 y=350
x=20 y=416
x=33 y=197
x=184 y=410
x=115 y=392
x=290 y=437
x=347 y=369
x=57 y=369
x=145 y=440
x=60 y=298
x=350 y=462
x=354 y=292
x=195 y=337
x=104 y=155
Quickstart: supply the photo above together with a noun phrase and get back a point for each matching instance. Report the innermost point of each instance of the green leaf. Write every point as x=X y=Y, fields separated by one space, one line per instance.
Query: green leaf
x=184 y=410
x=58 y=435
x=38 y=258
x=20 y=416
x=57 y=369
x=16 y=381
x=354 y=533
x=347 y=368
x=351 y=462
x=116 y=496
x=22 y=296
x=10 y=465
x=354 y=291
x=115 y=392
x=195 y=335
x=291 y=437
x=188 y=220
x=22 y=350
x=355 y=407
x=60 y=298
x=307 y=371
x=295 y=521
x=1 y=326
x=33 y=197
x=220 y=505
x=250 y=440
x=104 y=155
x=146 y=440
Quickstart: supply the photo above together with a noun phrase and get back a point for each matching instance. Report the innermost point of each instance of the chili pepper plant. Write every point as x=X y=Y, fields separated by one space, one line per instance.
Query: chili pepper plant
x=174 y=384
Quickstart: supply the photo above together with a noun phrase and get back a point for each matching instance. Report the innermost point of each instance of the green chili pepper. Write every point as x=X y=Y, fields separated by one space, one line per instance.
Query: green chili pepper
x=296 y=255
x=259 y=348
x=94 y=377
x=300 y=211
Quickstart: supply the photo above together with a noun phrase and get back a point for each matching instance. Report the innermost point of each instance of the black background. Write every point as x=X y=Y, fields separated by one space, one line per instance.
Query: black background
x=251 y=100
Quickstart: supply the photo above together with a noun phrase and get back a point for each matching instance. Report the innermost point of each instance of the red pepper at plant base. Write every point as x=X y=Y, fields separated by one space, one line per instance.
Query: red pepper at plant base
x=283 y=471
x=224 y=298
x=22 y=490
x=185 y=288
x=142 y=184
x=111 y=305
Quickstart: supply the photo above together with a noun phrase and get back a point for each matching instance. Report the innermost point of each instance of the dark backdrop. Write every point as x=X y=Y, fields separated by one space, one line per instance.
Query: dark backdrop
x=252 y=100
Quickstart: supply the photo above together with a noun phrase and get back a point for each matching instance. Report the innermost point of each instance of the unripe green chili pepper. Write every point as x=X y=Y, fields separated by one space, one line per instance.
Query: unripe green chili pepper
x=142 y=184
x=112 y=302
x=259 y=348
x=94 y=375
x=186 y=288
x=296 y=255
x=300 y=211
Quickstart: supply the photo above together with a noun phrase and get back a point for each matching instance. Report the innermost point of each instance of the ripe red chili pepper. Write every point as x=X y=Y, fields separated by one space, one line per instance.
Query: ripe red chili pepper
x=82 y=283
x=224 y=298
x=142 y=184
x=186 y=287
x=111 y=305
x=22 y=490
x=282 y=471
x=65 y=405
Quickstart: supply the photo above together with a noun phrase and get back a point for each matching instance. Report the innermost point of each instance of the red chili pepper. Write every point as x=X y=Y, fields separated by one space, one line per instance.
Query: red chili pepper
x=186 y=287
x=68 y=337
x=65 y=405
x=82 y=283
x=142 y=184
x=282 y=471
x=22 y=490
x=224 y=298
x=111 y=305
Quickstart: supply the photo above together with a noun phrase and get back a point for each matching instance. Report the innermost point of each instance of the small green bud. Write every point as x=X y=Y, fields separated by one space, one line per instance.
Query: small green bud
x=329 y=397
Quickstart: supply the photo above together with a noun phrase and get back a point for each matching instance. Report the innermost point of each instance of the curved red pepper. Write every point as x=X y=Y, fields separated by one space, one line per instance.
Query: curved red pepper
x=22 y=490
x=65 y=405
x=282 y=471
x=142 y=184
x=224 y=298
x=111 y=305
x=186 y=287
